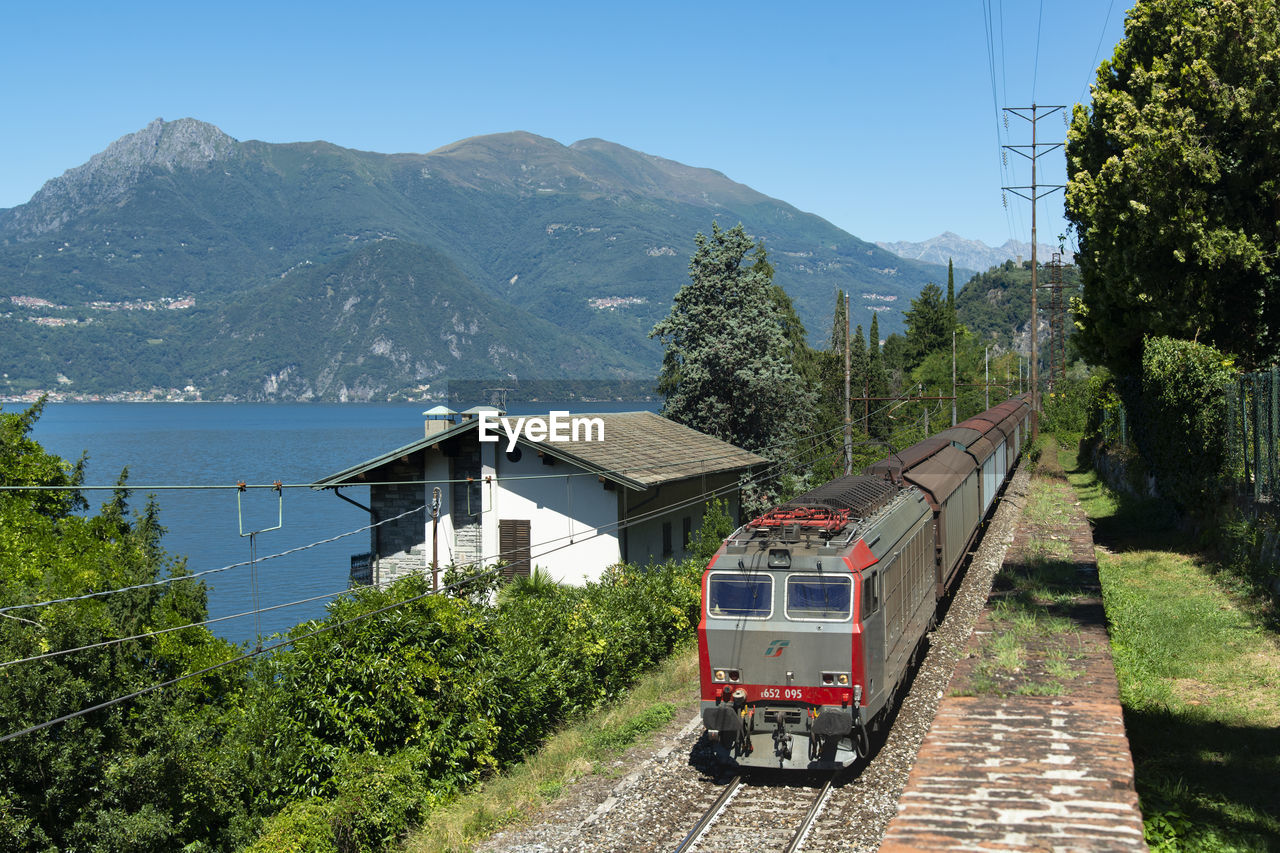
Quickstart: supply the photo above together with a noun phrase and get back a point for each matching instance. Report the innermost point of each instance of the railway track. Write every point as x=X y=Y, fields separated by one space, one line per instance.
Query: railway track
x=757 y=817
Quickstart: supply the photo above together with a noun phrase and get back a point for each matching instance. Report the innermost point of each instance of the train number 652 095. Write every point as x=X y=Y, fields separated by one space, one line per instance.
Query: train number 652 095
x=780 y=693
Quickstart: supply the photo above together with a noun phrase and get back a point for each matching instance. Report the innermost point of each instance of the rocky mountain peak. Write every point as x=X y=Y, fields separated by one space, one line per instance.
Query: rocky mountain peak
x=185 y=142
x=968 y=255
x=111 y=173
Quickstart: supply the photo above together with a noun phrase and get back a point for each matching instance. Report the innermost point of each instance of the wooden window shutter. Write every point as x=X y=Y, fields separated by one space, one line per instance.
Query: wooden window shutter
x=513 y=543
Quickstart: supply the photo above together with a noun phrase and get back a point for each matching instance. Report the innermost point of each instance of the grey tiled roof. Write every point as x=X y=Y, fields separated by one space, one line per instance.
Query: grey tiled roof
x=649 y=449
x=639 y=450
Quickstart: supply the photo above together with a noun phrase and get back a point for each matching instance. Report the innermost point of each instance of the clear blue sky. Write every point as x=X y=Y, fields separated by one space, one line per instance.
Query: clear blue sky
x=879 y=117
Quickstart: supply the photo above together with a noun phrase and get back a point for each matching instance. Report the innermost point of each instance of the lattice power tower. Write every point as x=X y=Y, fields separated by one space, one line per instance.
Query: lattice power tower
x=1057 y=323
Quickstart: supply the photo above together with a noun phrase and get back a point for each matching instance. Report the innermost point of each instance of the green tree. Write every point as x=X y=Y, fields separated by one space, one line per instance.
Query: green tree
x=929 y=323
x=859 y=374
x=728 y=368
x=878 y=383
x=134 y=777
x=1174 y=183
x=828 y=412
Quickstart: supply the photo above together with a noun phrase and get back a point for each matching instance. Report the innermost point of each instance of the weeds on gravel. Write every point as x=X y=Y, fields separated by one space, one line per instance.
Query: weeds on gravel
x=1032 y=642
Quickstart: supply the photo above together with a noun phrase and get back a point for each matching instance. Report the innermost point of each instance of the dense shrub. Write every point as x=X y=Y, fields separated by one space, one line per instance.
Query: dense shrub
x=1065 y=412
x=363 y=730
x=1182 y=428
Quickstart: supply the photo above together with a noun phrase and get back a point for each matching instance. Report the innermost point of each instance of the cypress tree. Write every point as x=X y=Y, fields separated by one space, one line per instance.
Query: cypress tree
x=878 y=382
x=728 y=368
x=859 y=379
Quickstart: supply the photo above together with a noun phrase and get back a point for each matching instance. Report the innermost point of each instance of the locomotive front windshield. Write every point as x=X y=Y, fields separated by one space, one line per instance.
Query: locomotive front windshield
x=819 y=597
x=736 y=596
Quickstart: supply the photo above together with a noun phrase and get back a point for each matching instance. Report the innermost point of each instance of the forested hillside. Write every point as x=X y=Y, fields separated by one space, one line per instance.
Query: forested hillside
x=170 y=258
x=995 y=305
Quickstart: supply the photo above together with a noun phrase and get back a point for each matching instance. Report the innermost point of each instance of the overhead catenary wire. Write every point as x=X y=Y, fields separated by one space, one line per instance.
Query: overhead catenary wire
x=596 y=532
x=115 y=641
x=298 y=602
x=175 y=578
x=253 y=612
x=623 y=523
x=260 y=649
x=194 y=575
x=238 y=659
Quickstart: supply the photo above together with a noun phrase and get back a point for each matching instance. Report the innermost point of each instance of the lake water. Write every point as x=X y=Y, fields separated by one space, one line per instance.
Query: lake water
x=220 y=444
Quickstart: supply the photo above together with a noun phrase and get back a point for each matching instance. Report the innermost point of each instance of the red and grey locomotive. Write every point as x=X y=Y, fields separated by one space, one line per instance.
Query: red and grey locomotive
x=813 y=612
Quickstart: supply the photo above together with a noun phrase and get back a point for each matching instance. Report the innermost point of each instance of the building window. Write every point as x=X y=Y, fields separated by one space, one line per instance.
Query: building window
x=687 y=530
x=667 y=551
x=513 y=543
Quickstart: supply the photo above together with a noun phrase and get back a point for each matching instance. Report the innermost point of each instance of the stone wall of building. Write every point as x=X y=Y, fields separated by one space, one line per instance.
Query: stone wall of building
x=398 y=545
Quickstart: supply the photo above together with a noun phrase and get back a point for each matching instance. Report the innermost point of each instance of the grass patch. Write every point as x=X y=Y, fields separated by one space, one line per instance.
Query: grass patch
x=1034 y=604
x=1199 y=681
x=620 y=734
x=580 y=749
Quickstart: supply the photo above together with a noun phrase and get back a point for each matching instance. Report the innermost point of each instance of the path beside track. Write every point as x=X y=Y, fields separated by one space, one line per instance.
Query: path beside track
x=1003 y=768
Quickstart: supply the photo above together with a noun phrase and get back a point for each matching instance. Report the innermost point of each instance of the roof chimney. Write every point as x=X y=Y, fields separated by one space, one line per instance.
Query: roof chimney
x=439 y=419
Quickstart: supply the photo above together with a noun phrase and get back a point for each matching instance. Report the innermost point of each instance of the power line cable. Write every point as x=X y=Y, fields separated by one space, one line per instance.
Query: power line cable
x=160 y=631
x=1035 y=75
x=259 y=650
x=1093 y=65
x=622 y=524
x=251 y=562
x=193 y=575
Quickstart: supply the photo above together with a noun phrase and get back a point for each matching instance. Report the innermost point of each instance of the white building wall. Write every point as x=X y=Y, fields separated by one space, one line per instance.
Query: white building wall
x=644 y=538
x=574 y=532
x=572 y=516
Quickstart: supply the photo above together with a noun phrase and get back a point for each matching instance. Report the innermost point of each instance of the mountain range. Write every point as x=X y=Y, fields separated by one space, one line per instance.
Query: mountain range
x=181 y=258
x=970 y=256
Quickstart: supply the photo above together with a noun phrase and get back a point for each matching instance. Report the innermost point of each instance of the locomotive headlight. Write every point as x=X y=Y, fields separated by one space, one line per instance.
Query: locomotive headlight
x=719 y=676
x=842 y=680
x=835 y=679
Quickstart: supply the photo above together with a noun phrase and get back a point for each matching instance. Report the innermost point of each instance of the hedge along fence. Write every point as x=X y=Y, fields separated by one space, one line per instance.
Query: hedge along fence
x=1182 y=429
x=1203 y=430
x=1253 y=434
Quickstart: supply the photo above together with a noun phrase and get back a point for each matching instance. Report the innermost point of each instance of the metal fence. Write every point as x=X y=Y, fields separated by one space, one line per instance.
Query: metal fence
x=1253 y=434
x=1115 y=426
x=1250 y=417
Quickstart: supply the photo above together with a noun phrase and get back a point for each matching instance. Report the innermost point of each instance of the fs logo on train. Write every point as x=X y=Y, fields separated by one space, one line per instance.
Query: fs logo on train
x=775 y=648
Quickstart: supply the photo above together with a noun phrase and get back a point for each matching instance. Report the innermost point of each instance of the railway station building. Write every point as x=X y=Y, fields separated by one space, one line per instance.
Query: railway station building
x=612 y=487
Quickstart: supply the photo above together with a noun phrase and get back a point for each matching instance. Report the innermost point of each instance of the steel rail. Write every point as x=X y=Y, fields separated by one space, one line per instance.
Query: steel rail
x=710 y=815
x=722 y=802
x=810 y=818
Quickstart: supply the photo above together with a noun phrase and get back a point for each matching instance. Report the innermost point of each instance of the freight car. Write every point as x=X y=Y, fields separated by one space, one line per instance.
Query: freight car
x=813 y=613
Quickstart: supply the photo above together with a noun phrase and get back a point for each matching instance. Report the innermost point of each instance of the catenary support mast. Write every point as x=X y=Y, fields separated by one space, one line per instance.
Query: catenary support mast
x=1034 y=193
